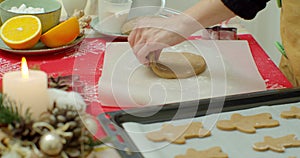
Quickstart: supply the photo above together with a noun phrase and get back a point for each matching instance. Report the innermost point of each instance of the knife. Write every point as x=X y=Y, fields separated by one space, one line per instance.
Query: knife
x=145 y=8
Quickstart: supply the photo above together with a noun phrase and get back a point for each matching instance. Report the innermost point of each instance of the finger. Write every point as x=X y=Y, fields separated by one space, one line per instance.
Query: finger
x=150 y=47
x=157 y=54
x=138 y=44
x=136 y=49
x=131 y=37
x=142 y=54
x=139 y=37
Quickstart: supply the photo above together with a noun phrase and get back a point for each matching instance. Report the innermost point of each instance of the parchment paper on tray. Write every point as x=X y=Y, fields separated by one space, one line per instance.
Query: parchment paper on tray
x=230 y=70
x=235 y=143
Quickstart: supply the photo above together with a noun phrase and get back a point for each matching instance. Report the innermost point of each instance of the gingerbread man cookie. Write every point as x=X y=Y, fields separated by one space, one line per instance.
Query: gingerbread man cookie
x=178 y=134
x=214 y=152
x=277 y=144
x=247 y=124
x=293 y=113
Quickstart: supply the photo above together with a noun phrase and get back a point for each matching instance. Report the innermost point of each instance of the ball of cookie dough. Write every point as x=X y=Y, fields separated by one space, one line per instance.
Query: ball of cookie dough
x=172 y=65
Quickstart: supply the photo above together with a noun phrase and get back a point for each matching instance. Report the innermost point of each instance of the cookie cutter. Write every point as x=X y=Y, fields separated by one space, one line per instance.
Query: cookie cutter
x=220 y=33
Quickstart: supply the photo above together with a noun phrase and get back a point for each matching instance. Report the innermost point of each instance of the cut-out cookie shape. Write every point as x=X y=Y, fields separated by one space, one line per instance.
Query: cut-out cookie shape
x=214 y=152
x=247 y=124
x=178 y=134
x=277 y=144
x=294 y=112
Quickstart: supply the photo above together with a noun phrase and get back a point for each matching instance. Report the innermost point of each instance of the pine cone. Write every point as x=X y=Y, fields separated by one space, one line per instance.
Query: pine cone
x=59 y=83
x=22 y=130
x=58 y=117
x=15 y=124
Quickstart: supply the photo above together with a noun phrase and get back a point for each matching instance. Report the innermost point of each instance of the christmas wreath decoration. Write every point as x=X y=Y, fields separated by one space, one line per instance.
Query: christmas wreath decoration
x=60 y=131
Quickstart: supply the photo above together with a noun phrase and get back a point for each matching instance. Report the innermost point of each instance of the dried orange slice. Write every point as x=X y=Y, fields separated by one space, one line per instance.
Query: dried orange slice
x=61 y=34
x=21 y=32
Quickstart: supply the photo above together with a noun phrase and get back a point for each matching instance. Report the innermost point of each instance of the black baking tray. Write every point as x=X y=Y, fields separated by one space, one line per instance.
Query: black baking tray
x=112 y=122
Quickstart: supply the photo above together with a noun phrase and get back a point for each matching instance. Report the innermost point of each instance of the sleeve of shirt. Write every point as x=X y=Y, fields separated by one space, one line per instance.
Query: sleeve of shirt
x=246 y=9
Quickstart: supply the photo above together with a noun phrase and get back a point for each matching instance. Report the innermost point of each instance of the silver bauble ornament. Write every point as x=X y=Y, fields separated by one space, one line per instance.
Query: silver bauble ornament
x=51 y=144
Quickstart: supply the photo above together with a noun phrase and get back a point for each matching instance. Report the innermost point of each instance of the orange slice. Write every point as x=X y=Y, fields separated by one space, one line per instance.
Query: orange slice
x=21 y=32
x=61 y=34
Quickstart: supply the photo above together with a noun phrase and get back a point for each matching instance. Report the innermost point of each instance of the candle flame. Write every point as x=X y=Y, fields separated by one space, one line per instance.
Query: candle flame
x=24 y=68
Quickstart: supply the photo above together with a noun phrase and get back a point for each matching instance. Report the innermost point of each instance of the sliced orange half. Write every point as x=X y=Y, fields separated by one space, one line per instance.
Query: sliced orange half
x=62 y=34
x=21 y=32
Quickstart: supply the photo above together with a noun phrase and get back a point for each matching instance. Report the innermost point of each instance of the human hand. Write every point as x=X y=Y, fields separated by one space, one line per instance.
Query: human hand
x=152 y=34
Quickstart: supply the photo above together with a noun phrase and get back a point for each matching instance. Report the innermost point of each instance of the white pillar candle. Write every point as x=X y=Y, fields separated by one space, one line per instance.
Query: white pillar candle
x=28 y=90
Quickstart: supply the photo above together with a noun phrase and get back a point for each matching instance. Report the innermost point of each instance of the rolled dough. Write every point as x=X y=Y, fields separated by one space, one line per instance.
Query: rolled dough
x=172 y=65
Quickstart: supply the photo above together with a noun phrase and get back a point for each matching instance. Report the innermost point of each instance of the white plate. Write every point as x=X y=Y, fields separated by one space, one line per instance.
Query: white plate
x=95 y=24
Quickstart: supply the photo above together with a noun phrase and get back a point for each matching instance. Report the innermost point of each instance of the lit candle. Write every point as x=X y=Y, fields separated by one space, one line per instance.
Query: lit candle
x=28 y=88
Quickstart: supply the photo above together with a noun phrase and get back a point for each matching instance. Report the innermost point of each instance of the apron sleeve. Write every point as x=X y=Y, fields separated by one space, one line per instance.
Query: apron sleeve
x=246 y=9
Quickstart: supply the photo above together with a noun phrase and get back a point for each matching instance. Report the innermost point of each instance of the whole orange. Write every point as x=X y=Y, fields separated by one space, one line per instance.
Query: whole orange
x=61 y=34
x=21 y=32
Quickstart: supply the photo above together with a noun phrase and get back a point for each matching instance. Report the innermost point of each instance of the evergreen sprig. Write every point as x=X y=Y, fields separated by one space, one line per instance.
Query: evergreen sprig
x=9 y=111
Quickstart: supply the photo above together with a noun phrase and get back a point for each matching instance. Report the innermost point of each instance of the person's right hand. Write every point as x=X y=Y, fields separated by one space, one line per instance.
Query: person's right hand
x=152 y=34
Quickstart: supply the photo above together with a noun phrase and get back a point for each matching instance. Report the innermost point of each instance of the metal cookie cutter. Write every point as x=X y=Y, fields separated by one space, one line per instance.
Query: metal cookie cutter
x=220 y=33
